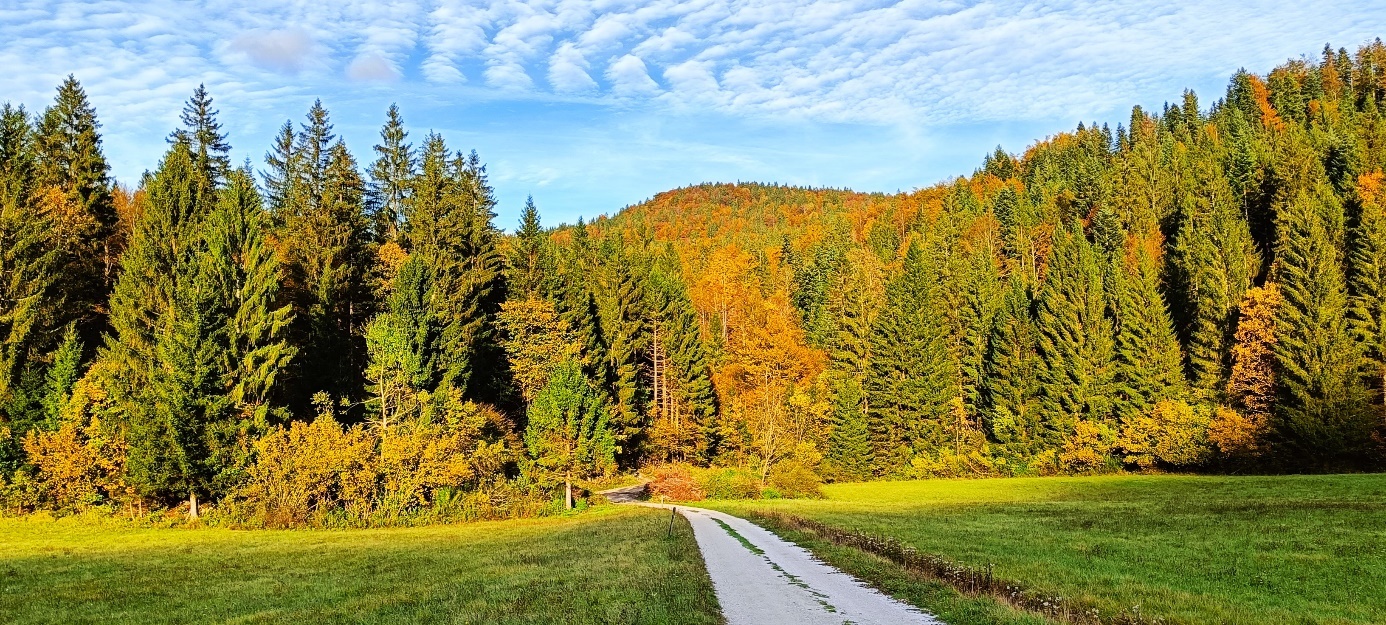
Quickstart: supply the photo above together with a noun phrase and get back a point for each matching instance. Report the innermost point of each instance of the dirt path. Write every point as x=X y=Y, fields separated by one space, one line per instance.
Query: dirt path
x=761 y=579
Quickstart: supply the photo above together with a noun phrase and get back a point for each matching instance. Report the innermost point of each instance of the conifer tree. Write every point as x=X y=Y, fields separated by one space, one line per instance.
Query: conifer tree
x=913 y=376
x=1215 y=261
x=1010 y=386
x=849 y=441
x=1321 y=414
x=1149 y=366
x=202 y=132
x=531 y=264
x=63 y=373
x=625 y=321
x=981 y=292
x=568 y=437
x=69 y=161
x=681 y=372
x=1074 y=339
x=390 y=176
x=28 y=259
x=1367 y=311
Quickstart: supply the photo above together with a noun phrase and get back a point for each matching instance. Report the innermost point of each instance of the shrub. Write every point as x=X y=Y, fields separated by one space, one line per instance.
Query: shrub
x=77 y=466
x=674 y=482
x=1088 y=449
x=1173 y=434
x=793 y=478
x=1237 y=435
x=730 y=484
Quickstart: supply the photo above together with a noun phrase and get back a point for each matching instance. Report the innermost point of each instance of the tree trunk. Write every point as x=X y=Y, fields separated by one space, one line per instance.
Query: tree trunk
x=192 y=505
x=568 y=494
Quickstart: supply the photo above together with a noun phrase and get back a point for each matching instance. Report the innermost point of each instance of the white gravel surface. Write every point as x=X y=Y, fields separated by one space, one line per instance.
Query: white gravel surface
x=783 y=583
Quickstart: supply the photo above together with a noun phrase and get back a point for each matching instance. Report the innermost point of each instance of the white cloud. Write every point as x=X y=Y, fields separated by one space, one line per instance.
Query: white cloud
x=629 y=77
x=372 y=67
x=285 y=50
x=568 y=70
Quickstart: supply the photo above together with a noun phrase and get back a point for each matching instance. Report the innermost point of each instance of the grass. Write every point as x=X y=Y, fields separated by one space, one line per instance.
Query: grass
x=607 y=565
x=1237 y=550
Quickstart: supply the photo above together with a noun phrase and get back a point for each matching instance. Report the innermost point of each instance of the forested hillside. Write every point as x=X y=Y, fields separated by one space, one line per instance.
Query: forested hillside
x=350 y=336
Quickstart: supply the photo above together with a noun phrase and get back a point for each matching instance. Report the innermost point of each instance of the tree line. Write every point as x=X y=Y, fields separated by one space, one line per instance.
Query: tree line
x=319 y=339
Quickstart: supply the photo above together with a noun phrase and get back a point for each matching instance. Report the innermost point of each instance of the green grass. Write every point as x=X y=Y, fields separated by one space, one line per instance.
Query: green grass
x=1293 y=549
x=608 y=565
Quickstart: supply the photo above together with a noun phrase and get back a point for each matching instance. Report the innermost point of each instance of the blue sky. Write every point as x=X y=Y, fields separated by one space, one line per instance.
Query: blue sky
x=591 y=106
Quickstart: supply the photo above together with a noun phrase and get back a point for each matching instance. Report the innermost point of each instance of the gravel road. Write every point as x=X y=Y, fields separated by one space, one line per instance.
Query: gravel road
x=761 y=579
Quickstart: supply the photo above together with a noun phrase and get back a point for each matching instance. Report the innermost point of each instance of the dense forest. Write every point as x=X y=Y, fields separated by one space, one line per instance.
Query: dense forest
x=325 y=340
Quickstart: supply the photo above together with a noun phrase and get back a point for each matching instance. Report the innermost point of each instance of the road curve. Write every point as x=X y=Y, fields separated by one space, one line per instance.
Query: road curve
x=761 y=579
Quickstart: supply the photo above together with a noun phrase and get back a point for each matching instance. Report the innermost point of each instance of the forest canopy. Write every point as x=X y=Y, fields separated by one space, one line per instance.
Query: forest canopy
x=320 y=339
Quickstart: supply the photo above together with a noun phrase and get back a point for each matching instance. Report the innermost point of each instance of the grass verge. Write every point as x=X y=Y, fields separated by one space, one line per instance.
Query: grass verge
x=1237 y=550
x=605 y=566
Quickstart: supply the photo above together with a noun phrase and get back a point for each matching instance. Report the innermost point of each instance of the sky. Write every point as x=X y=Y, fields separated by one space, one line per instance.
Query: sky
x=592 y=106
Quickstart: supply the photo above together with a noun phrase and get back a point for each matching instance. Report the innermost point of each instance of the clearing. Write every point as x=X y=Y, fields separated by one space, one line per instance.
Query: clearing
x=609 y=565
x=1303 y=549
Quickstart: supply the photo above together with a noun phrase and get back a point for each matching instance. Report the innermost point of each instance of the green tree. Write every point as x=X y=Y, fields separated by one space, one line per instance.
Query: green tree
x=681 y=374
x=1010 y=384
x=849 y=441
x=913 y=376
x=390 y=174
x=1149 y=365
x=63 y=372
x=1367 y=311
x=1322 y=414
x=531 y=262
x=568 y=437
x=28 y=258
x=202 y=132
x=1074 y=339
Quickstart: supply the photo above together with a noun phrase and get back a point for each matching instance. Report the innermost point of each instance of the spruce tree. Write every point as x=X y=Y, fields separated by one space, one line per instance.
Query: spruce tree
x=681 y=376
x=849 y=441
x=390 y=176
x=913 y=376
x=28 y=258
x=568 y=437
x=980 y=297
x=1214 y=261
x=1074 y=339
x=1010 y=385
x=69 y=160
x=1367 y=306
x=63 y=372
x=1322 y=414
x=1149 y=365
x=531 y=263
x=202 y=132
x=625 y=321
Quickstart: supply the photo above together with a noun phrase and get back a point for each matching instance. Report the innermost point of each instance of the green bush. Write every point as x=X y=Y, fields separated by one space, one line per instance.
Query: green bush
x=730 y=484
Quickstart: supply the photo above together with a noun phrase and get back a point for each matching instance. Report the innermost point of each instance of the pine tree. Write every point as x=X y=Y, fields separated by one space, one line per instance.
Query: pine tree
x=1322 y=414
x=1215 y=261
x=913 y=376
x=849 y=442
x=1149 y=365
x=981 y=294
x=568 y=437
x=390 y=177
x=625 y=321
x=681 y=377
x=1074 y=340
x=1367 y=312
x=28 y=259
x=63 y=372
x=202 y=132
x=1010 y=384
x=531 y=264
x=69 y=162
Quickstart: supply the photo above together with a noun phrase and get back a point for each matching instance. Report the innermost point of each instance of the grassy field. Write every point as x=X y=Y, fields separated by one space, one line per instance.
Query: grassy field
x=604 y=566
x=1295 y=549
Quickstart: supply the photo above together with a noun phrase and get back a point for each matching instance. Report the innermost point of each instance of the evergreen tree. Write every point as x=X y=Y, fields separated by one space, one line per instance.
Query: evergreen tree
x=626 y=322
x=69 y=162
x=28 y=259
x=1321 y=414
x=202 y=132
x=849 y=441
x=1010 y=386
x=1074 y=339
x=981 y=292
x=1215 y=261
x=1149 y=365
x=680 y=367
x=531 y=264
x=913 y=376
x=390 y=177
x=568 y=437
x=64 y=371
x=1367 y=312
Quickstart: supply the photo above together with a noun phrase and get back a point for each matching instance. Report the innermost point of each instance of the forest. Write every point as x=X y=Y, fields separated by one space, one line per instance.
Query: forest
x=321 y=340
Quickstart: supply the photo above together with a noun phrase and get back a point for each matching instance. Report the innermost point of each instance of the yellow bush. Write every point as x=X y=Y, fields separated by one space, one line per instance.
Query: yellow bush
x=794 y=478
x=1089 y=448
x=1174 y=434
x=1235 y=434
x=77 y=466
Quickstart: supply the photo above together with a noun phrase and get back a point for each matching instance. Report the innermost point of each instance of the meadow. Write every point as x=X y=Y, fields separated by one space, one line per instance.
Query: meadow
x=607 y=565
x=1184 y=549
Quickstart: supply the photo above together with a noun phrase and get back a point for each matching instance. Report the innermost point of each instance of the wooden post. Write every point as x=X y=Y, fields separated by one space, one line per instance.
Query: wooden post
x=672 y=513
